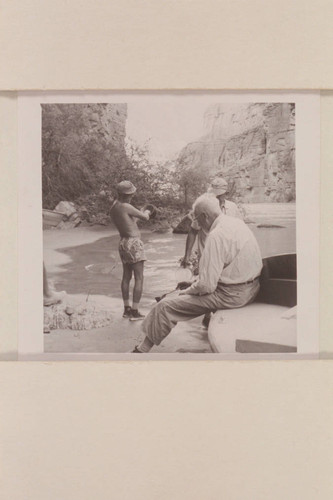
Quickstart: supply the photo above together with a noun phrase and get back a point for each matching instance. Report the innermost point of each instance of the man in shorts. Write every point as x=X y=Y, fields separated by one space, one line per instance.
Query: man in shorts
x=131 y=248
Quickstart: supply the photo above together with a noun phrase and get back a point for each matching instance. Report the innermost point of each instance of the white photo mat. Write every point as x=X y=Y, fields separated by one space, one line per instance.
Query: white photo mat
x=30 y=215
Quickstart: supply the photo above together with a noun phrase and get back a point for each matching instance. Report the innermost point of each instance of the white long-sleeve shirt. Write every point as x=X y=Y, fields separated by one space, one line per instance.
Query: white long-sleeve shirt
x=231 y=256
x=228 y=208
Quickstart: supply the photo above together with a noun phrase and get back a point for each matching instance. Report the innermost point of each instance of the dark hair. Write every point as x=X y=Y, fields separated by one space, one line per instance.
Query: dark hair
x=124 y=197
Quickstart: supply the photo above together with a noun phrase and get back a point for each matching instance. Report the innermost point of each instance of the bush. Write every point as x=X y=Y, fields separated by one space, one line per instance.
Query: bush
x=81 y=159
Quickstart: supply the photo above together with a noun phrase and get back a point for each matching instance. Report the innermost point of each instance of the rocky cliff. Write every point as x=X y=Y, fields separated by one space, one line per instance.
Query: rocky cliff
x=82 y=120
x=82 y=144
x=107 y=121
x=250 y=145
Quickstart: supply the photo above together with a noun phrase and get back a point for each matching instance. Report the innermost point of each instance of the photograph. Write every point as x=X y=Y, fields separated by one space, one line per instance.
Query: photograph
x=167 y=213
x=169 y=225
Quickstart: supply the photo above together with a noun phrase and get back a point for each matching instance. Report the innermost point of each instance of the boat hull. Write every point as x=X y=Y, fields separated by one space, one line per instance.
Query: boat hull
x=269 y=323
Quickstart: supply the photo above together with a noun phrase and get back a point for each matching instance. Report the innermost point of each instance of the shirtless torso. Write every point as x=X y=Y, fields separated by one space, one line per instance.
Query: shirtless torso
x=125 y=218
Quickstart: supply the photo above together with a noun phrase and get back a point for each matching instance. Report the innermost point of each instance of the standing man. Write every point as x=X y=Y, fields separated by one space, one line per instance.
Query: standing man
x=229 y=271
x=218 y=188
x=131 y=248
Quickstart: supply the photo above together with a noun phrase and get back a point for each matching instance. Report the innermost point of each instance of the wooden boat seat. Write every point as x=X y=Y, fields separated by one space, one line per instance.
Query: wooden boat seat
x=278 y=281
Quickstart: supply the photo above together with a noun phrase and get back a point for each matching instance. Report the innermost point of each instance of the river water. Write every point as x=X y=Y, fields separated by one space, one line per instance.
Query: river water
x=85 y=262
x=95 y=268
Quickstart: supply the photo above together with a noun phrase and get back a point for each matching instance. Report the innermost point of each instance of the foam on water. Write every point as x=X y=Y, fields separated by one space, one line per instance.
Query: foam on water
x=160 y=240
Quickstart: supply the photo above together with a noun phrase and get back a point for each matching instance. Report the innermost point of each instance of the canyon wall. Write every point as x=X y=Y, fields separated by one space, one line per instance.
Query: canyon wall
x=82 y=144
x=106 y=121
x=250 y=145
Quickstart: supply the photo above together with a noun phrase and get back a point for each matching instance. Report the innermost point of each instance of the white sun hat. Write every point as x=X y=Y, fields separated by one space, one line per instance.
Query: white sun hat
x=218 y=186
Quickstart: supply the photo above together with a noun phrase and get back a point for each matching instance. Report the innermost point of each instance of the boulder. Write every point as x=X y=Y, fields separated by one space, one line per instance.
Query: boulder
x=52 y=219
x=184 y=225
x=72 y=222
x=161 y=226
x=66 y=207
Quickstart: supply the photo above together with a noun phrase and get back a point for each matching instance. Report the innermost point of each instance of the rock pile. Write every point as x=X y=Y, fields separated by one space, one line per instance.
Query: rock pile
x=70 y=315
x=183 y=226
x=64 y=216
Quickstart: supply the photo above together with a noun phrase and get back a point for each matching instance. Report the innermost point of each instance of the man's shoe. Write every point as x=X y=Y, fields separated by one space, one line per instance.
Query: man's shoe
x=127 y=312
x=136 y=350
x=135 y=315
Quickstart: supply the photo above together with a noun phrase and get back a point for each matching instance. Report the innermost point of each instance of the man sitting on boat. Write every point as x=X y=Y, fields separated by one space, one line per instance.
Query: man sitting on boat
x=219 y=188
x=229 y=271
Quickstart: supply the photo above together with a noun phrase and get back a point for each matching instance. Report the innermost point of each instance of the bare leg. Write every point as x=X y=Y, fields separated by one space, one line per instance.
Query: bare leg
x=46 y=289
x=138 y=284
x=137 y=291
x=50 y=296
x=164 y=316
x=127 y=276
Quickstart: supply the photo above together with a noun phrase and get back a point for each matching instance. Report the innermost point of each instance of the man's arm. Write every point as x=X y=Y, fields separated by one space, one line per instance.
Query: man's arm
x=190 y=240
x=211 y=265
x=134 y=212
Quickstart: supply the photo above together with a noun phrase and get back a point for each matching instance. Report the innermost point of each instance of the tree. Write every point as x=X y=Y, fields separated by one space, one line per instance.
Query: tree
x=76 y=155
x=192 y=181
x=153 y=179
x=81 y=158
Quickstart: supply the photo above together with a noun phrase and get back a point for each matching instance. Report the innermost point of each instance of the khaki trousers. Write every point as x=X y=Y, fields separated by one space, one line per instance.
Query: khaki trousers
x=165 y=315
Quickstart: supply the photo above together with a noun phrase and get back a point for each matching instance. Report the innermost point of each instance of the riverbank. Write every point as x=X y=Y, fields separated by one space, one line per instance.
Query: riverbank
x=87 y=267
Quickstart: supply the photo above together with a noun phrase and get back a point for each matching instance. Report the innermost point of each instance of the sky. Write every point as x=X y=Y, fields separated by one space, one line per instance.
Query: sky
x=169 y=125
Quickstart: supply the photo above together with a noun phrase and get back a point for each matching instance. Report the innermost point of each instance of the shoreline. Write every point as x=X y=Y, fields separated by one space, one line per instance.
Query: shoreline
x=54 y=240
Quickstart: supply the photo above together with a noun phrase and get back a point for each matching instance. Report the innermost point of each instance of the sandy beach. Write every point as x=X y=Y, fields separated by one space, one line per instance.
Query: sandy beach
x=122 y=335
